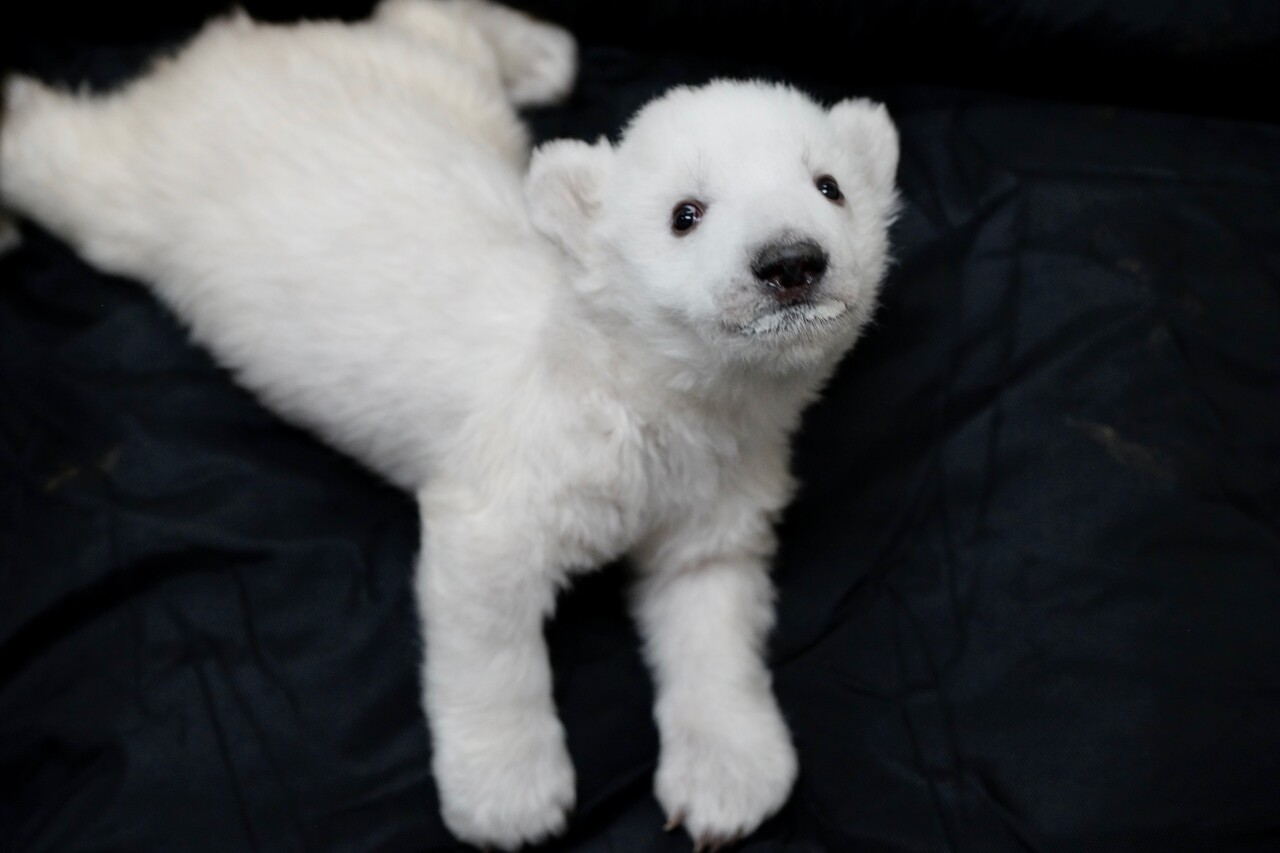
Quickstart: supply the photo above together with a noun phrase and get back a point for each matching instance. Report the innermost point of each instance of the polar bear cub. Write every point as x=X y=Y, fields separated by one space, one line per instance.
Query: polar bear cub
x=600 y=352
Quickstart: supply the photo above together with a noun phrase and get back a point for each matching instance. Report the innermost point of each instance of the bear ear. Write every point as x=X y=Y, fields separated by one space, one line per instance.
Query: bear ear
x=564 y=190
x=865 y=126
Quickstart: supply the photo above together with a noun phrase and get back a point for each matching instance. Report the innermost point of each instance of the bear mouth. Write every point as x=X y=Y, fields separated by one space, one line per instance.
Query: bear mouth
x=794 y=319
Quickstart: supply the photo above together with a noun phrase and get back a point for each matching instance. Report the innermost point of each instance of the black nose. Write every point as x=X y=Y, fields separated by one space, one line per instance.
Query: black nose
x=790 y=270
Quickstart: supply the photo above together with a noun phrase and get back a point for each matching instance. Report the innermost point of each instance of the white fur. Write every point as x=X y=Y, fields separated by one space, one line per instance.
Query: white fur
x=340 y=213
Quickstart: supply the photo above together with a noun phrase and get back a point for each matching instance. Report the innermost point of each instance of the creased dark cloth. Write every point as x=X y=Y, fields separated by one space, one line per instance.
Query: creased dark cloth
x=1029 y=593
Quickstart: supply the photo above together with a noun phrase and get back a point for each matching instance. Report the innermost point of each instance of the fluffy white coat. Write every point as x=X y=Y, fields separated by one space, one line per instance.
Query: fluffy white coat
x=342 y=215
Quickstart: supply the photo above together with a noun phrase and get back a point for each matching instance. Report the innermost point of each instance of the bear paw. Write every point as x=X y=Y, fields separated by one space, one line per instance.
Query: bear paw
x=506 y=792
x=721 y=782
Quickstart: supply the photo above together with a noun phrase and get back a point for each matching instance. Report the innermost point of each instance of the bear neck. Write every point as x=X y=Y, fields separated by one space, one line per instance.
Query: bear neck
x=663 y=366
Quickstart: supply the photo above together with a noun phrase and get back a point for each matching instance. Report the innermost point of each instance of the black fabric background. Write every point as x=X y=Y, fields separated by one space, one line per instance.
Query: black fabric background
x=1029 y=595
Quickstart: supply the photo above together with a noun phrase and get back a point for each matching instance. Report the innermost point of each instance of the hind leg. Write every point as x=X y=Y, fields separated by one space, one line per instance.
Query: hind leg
x=536 y=61
x=68 y=162
x=539 y=61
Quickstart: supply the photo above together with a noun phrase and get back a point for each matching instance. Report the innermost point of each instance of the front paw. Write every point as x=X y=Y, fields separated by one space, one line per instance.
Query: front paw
x=721 y=778
x=504 y=789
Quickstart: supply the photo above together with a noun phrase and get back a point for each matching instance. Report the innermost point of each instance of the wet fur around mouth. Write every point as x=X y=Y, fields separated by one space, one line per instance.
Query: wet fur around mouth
x=794 y=318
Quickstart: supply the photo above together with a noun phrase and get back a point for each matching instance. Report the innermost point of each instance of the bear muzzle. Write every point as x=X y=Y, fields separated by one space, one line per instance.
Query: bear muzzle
x=791 y=270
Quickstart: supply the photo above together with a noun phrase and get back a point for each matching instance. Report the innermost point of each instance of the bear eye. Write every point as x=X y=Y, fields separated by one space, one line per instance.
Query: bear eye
x=685 y=216
x=827 y=186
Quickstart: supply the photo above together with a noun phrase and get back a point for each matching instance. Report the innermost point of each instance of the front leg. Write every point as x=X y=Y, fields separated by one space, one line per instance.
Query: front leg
x=726 y=760
x=499 y=758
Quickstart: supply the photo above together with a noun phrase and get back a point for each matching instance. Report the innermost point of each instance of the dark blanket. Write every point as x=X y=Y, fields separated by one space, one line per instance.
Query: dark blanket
x=1029 y=595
